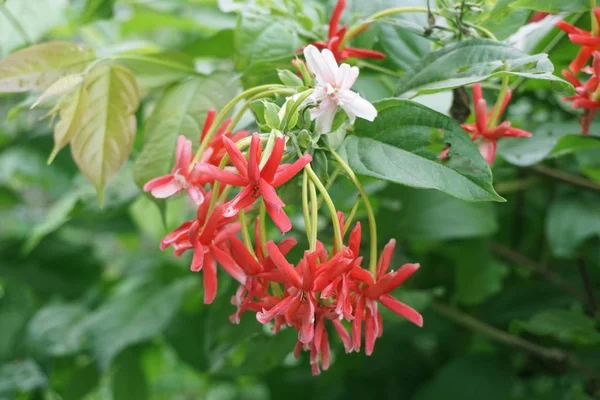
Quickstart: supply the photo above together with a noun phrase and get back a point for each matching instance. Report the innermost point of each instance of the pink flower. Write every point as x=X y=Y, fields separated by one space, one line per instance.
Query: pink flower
x=178 y=180
x=586 y=95
x=336 y=36
x=256 y=181
x=588 y=41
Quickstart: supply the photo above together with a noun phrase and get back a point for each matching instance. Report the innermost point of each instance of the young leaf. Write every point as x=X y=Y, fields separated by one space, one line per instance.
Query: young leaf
x=37 y=67
x=62 y=86
x=386 y=148
x=108 y=124
x=180 y=111
x=471 y=61
x=71 y=120
x=553 y=6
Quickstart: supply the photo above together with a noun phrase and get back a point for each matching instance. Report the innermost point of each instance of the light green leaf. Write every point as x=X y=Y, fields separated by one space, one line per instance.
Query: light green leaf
x=20 y=376
x=71 y=112
x=37 y=67
x=108 y=124
x=567 y=326
x=134 y=314
x=395 y=147
x=472 y=61
x=25 y=22
x=62 y=86
x=158 y=69
x=553 y=6
x=503 y=20
x=432 y=215
x=572 y=220
x=55 y=330
x=57 y=216
x=181 y=110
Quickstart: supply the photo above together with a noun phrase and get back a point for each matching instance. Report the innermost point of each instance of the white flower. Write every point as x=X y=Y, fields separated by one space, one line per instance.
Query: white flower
x=333 y=90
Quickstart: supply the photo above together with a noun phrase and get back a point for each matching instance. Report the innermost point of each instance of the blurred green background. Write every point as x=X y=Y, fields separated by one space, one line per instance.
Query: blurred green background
x=91 y=309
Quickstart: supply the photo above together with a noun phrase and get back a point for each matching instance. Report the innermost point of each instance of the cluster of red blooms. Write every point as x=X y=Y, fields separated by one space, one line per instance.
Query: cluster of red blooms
x=587 y=95
x=320 y=287
x=336 y=38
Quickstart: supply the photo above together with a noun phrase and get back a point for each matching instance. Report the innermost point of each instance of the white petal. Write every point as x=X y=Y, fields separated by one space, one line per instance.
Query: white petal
x=346 y=76
x=324 y=115
x=318 y=65
x=358 y=107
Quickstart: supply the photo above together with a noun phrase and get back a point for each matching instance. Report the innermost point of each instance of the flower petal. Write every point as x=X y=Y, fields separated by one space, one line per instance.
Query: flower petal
x=279 y=217
x=358 y=107
x=288 y=171
x=402 y=309
x=209 y=276
x=319 y=66
x=283 y=265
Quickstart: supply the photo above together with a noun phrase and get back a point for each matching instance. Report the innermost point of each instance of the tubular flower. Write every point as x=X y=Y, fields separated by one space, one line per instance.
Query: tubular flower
x=336 y=36
x=332 y=90
x=589 y=41
x=257 y=181
x=587 y=95
x=483 y=133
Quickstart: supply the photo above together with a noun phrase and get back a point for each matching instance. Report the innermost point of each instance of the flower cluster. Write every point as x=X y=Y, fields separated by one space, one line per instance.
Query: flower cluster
x=587 y=94
x=325 y=285
x=485 y=130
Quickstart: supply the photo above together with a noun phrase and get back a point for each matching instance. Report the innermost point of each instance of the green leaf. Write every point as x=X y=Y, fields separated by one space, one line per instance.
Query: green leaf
x=395 y=147
x=17 y=304
x=503 y=21
x=25 y=22
x=548 y=140
x=37 y=67
x=71 y=114
x=20 y=376
x=477 y=276
x=567 y=326
x=127 y=377
x=181 y=110
x=108 y=124
x=571 y=220
x=472 y=61
x=55 y=330
x=431 y=215
x=135 y=314
x=58 y=214
x=158 y=69
x=489 y=378
x=64 y=85
x=553 y=6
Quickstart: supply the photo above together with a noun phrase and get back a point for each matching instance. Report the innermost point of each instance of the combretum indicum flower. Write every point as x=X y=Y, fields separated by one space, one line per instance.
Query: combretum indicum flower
x=332 y=90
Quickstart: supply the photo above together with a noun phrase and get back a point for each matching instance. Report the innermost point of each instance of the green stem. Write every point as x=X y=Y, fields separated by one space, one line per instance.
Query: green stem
x=498 y=107
x=297 y=103
x=16 y=24
x=314 y=217
x=356 y=29
x=351 y=216
x=483 y=30
x=225 y=111
x=245 y=234
x=369 y=209
x=338 y=242
x=305 y=210
x=330 y=182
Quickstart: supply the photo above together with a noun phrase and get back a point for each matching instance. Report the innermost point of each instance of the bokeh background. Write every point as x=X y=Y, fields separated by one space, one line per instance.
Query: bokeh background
x=91 y=309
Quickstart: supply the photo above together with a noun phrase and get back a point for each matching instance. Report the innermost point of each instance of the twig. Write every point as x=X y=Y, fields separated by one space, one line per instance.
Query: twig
x=587 y=284
x=531 y=265
x=566 y=177
x=552 y=354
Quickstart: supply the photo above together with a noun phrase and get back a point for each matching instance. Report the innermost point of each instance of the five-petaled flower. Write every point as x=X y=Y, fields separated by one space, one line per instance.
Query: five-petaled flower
x=589 y=41
x=257 y=181
x=336 y=37
x=332 y=90
x=481 y=130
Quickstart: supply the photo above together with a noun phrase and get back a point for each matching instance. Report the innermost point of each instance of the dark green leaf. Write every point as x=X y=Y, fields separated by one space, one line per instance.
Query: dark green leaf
x=394 y=148
x=180 y=111
x=16 y=306
x=564 y=325
x=472 y=61
x=127 y=377
x=553 y=6
x=571 y=220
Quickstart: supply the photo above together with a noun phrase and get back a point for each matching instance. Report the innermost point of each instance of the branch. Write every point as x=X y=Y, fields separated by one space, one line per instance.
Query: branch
x=521 y=260
x=552 y=354
x=566 y=177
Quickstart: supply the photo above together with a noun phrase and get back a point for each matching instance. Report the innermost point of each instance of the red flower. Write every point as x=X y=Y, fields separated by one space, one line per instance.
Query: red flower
x=378 y=290
x=587 y=95
x=178 y=180
x=257 y=181
x=538 y=16
x=588 y=41
x=488 y=135
x=336 y=36
x=207 y=235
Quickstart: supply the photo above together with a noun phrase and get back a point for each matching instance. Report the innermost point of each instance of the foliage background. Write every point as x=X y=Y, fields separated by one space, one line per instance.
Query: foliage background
x=91 y=309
